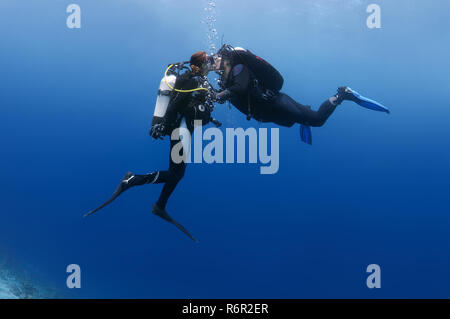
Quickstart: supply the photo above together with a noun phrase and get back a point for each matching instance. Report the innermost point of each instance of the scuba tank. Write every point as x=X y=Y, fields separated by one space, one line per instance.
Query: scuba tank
x=199 y=108
x=268 y=77
x=163 y=99
x=165 y=91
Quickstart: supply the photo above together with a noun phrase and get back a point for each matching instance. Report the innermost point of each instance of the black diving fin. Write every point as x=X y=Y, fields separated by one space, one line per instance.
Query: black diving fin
x=164 y=215
x=123 y=186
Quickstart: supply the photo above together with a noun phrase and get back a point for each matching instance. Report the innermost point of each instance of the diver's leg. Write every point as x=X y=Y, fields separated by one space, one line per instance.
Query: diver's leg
x=171 y=178
x=305 y=116
x=130 y=180
x=175 y=175
x=319 y=117
x=152 y=178
x=290 y=111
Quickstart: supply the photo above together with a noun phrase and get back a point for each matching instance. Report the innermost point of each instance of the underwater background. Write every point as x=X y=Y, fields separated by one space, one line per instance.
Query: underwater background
x=76 y=106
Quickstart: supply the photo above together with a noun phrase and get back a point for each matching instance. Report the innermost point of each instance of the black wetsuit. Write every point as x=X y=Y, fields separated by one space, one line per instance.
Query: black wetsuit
x=181 y=105
x=243 y=92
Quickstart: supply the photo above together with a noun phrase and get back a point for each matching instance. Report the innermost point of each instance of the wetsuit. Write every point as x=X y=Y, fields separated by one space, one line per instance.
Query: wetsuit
x=242 y=90
x=181 y=105
x=182 y=108
x=170 y=178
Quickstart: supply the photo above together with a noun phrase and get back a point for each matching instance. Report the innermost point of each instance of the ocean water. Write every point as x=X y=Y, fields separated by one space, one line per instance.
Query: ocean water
x=76 y=106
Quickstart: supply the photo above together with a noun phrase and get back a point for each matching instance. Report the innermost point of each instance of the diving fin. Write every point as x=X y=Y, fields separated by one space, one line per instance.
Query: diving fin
x=305 y=134
x=123 y=186
x=164 y=215
x=363 y=101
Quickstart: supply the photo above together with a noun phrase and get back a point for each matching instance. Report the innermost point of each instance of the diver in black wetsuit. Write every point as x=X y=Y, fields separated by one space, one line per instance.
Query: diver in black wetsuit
x=241 y=88
x=259 y=96
x=189 y=106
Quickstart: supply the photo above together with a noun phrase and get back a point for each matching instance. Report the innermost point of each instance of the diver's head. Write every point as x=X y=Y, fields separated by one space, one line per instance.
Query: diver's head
x=225 y=60
x=198 y=62
x=202 y=63
x=226 y=53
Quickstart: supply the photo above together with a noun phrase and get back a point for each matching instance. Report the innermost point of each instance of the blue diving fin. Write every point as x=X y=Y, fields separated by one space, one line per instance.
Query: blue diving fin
x=305 y=134
x=365 y=102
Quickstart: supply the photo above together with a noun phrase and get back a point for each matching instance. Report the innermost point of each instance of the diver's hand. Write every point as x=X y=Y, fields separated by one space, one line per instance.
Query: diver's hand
x=157 y=131
x=212 y=96
x=269 y=95
x=222 y=97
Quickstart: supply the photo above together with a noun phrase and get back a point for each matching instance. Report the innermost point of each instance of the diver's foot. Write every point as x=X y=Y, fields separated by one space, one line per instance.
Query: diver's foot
x=344 y=93
x=125 y=183
x=158 y=211
x=347 y=94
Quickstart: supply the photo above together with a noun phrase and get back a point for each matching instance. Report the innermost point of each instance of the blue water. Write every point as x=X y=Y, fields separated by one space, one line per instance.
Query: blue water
x=76 y=106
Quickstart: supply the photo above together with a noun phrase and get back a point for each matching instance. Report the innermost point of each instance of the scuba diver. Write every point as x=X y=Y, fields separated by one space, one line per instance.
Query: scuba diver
x=253 y=86
x=182 y=98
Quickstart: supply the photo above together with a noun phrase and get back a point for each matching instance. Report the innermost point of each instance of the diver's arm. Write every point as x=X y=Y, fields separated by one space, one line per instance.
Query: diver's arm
x=164 y=127
x=158 y=130
x=240 y=80
x=239 y=84
x=223 y=96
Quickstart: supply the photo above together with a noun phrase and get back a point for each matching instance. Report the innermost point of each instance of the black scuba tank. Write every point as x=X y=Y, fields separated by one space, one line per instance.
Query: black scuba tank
x=267 y=75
